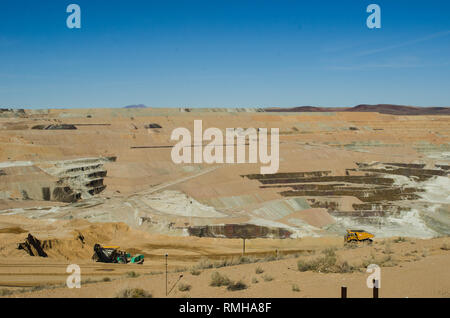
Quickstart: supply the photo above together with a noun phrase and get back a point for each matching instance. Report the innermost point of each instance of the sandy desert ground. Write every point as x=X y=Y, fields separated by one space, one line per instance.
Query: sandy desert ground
x=110 y=180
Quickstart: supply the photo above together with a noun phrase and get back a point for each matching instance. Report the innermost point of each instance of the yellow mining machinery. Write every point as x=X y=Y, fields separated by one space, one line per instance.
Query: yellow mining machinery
x=358 y=236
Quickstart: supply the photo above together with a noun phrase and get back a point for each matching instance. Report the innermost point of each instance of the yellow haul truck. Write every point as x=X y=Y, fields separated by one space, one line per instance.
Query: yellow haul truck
x=358 y=236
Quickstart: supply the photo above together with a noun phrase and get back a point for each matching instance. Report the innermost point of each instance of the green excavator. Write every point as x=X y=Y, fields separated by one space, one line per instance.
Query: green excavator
x=112 y=254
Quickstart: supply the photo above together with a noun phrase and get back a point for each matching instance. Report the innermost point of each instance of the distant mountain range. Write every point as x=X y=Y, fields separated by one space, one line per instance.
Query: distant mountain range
x=389 y=109
x=380 y=108
x=136 y=106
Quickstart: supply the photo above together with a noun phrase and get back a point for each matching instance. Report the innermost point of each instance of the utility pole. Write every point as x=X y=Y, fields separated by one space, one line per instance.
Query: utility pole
x=343 y=292
x=166 y=272
x=375 y=288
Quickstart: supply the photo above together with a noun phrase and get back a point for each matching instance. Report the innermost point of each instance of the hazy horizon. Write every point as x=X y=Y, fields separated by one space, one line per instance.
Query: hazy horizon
x=127 y=107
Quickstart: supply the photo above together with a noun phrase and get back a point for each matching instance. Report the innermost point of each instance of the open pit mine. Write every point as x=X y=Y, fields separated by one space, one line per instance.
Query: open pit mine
x=75 y=178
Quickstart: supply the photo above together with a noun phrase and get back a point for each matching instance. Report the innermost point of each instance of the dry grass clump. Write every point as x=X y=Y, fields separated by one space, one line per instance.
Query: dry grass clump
x=343 y=267
x=259 y=270
x=204 y=264
x=331 y=252
x=267 y=278
x=218 y=280
x=387 y=249
x=194 y=271
x=223 y=263
x=255 y=280
x=153 y=273
x=184 y=287
x=134 y=293
x=247 y=260
x=351 y=245
x=5 y=292
x=399 y=239
x=239 y=285
x=207 y=264
x=445 y=247
x=325 y=264
x=386 y=261
x=269 y=258
x=132 y=274
x=235 y=261
x=295 y=288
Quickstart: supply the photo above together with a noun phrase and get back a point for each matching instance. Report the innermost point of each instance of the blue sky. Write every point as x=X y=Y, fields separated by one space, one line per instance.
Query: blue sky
x=224 y=53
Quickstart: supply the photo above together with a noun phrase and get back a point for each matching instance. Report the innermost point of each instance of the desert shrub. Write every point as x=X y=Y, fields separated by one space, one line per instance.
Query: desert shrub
x=344 y=267
x=445 y=247
x=330 y=252
x=325 y=264
x=270 y=258
x=295 y=288
x=239 y=285
x=371 y=260
x=106 y=279
x=194 y=271
x=351 y=245
x=218 y=280
x=184 y=287
x=267 y=278
x=205 y=264
x=425 y=252
x=235 y=261
x=134 y=293
x=259 y=270
x=5 y=292
x=132 y=274
x=255 y=280
x=84 y=282
x=46 y=286
x=399 y=239
x=221 y=263
x=387 y=249
x=154 y=273
x=246 y=260
x=304 y=266
x=386 y=261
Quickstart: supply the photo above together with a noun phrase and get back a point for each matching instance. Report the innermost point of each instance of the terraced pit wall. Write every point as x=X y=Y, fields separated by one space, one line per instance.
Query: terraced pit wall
x=63 y=181
x=247 y=231
x=372 y=184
